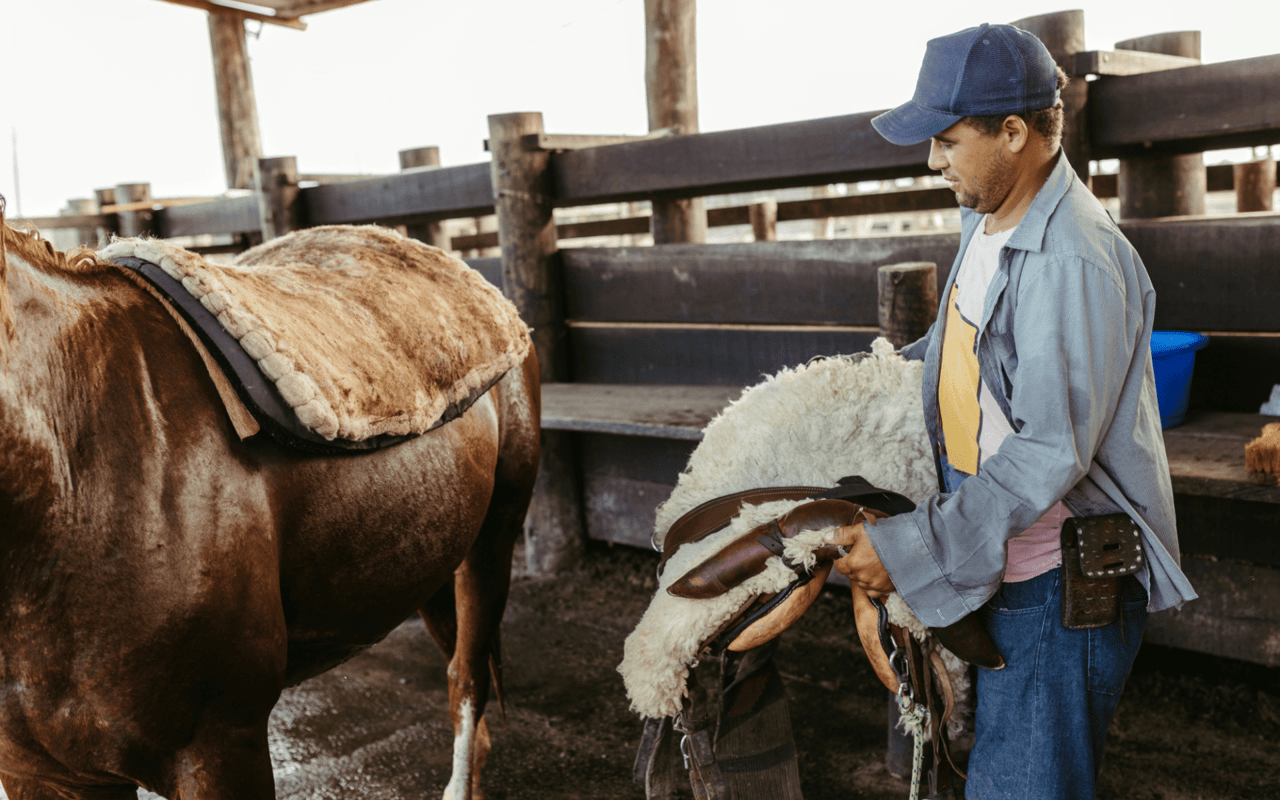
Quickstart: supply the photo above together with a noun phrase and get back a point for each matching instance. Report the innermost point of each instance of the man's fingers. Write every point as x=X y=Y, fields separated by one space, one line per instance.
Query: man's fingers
x=845 y=536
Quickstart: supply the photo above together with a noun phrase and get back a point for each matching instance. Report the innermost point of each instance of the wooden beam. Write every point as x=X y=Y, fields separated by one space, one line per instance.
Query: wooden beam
x=301 y=8
x=581 y=141
x=823 y=282
x=68 y=221
x=462 y=191
x=665 y=412
x=831 y=150
x=706 y=355
x=227 y=215
x=217 y=8
x=1208 y=107
x=1127 y=62
x=333 y=177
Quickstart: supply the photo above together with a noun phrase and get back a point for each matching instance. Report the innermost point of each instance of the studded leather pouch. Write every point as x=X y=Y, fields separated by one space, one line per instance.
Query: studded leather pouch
x=1096 y=553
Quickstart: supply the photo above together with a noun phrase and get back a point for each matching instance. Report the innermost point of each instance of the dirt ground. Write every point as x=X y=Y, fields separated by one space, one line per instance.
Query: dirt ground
x=1188 y=727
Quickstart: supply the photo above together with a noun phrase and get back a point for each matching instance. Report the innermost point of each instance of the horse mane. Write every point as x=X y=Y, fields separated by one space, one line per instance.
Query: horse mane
x=40 y=253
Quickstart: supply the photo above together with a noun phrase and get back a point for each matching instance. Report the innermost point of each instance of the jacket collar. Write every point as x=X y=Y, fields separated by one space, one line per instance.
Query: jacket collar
x=1029 y=235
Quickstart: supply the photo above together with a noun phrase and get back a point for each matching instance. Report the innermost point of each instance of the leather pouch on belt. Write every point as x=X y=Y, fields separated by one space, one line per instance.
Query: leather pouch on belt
x=1096 y=553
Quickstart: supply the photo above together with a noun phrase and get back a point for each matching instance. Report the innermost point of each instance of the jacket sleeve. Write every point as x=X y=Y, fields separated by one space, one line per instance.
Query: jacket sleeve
x=1063 y=366
x=916 y=350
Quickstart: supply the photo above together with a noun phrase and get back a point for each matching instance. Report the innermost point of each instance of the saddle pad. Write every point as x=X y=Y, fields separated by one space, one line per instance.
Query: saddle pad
x=363 y=332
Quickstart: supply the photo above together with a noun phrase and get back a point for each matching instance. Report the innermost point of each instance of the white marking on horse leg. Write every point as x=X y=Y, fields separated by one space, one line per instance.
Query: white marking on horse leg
x=463 y=736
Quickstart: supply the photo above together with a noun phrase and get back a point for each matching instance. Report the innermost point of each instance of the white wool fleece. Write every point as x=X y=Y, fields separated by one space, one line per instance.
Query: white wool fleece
x=809 y=425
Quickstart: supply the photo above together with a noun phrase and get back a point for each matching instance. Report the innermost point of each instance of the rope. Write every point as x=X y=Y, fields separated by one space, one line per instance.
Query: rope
x=913 y=719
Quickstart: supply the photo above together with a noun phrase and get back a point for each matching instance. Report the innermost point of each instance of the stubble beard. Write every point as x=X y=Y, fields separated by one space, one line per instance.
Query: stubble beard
x=991 y=188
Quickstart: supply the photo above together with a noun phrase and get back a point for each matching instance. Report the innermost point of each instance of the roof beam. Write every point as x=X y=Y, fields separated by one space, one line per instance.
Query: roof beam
x=217 y=8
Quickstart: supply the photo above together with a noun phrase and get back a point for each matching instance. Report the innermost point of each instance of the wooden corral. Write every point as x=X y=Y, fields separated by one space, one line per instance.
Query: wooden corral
x=651 y=342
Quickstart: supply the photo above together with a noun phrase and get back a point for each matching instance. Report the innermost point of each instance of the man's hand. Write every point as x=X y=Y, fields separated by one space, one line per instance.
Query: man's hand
x=862 y=566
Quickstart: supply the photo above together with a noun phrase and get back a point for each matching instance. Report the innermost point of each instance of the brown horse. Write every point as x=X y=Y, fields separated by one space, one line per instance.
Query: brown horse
x=161 y=581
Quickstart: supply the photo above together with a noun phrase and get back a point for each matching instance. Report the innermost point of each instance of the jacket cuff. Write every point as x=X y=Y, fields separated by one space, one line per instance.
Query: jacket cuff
x=903 y=551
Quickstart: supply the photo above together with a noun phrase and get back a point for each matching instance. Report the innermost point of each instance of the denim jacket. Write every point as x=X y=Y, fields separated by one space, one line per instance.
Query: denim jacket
x=1064 y=343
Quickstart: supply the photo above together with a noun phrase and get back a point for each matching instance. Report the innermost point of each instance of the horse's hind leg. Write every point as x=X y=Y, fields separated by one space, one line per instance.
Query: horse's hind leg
x=463 y=619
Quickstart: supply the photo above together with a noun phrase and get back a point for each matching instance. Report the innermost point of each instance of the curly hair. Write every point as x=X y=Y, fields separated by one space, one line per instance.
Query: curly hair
x=1045 y=121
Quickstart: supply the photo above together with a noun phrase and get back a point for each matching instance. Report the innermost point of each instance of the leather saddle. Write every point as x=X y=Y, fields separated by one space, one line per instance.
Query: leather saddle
x=852 y=500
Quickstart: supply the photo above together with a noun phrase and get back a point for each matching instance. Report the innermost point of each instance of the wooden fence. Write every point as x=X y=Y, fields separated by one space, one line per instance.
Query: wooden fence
x=652 y=341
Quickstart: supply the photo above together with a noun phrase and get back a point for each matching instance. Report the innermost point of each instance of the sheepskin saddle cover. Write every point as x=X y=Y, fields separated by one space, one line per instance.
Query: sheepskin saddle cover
x=809 y=426
x=364 y=332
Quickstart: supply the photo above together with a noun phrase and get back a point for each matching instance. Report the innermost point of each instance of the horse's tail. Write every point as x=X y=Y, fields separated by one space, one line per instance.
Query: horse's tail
x=495 y=671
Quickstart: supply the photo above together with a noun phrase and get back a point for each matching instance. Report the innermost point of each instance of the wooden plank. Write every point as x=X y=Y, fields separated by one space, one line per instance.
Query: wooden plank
x=1126 y=62
x=1228 y=528
x=1235 y=615
x=228 y=215
x=579 y=141
x=67 y=221
x=808 y=282
x=658 y=411
x=447 y=192
x=702 y=355
x=1206 y=457
x=624 y=481
x=490 y=267
x=1207 y=107
x=1235 y=372
x=831 y=150
x=217 y=8
x=1211 y=273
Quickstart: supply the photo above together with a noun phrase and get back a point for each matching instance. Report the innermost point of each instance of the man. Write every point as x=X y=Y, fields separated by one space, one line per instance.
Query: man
x=1040 y=405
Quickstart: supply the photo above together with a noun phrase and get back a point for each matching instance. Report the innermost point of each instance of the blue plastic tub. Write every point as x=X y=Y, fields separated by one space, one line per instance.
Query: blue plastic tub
x=1173 y=354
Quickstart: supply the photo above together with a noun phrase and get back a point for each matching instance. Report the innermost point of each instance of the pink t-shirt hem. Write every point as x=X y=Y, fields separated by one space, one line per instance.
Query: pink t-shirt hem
x=1038 y=549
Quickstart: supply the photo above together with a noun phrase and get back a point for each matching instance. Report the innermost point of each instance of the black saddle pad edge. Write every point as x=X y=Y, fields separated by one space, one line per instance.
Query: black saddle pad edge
x=260 y=395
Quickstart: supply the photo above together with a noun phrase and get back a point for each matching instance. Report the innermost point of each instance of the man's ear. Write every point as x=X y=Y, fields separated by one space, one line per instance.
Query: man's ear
x=1014 y=133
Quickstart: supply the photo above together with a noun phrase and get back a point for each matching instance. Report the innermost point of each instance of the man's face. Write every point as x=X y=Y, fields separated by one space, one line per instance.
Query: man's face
x=978 y=165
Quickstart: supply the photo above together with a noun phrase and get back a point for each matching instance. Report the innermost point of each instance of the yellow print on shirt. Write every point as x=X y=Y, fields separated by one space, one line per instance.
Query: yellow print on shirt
x=958 y=388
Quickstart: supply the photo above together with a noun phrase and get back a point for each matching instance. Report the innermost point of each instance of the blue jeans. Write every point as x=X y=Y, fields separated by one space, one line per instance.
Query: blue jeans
x=1042 y=721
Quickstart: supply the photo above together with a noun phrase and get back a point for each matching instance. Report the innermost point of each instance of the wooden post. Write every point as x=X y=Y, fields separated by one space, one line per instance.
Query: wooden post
x=908 y=300
x=1255 y=184
x=135 y=222
x=237 y=109
x=671 y=84
x=1163 y=186
x=111 y=225
x=532 y=278
x=1063 y=35
x=432 y=232
x=764 y=220
x=84 y=206
x=277 y=185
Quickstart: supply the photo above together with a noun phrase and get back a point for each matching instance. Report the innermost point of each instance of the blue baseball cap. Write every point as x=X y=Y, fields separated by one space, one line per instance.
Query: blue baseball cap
x=990 y=69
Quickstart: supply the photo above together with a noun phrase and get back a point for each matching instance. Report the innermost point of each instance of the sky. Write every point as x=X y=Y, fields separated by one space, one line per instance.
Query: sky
x=104 y=92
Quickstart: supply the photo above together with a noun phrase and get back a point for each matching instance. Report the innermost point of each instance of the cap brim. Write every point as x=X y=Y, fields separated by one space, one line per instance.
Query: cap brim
x=913 y=124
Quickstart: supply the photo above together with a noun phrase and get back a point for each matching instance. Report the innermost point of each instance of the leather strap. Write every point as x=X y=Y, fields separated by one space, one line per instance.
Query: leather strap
x=714 y=514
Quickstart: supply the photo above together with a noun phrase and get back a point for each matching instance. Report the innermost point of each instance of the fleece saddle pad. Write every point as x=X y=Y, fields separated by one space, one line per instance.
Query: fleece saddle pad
x=340 y=337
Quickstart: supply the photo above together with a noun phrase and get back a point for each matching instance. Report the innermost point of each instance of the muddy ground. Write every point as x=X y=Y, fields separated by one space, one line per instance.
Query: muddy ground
x=1188 y=727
